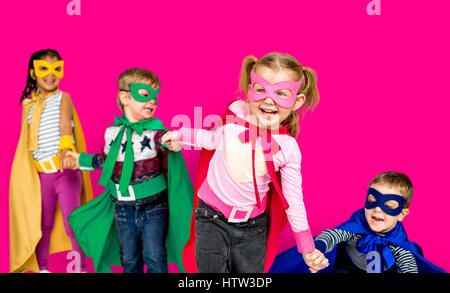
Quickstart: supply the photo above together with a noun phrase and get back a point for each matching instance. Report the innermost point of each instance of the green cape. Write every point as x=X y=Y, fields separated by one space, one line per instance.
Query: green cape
x=95 y=230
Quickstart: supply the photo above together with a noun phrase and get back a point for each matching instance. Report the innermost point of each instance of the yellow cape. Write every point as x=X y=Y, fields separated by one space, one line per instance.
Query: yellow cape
x=25 y=203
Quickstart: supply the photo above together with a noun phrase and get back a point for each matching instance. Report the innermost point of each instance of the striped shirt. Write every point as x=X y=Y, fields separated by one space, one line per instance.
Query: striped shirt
x=49 y=128
x=404 y=259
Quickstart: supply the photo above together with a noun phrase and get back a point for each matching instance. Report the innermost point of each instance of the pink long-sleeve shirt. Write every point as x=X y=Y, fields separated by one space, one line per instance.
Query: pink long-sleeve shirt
x=230 y=170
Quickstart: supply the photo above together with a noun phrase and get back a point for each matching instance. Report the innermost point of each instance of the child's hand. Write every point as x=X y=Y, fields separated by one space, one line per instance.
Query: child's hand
x=170 y=139
x=316 y=260
x=69 y=160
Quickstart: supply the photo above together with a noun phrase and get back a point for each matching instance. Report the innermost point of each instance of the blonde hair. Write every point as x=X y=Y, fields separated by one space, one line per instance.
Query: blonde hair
x=278 y=61
x=396 y=180
x=133 y=75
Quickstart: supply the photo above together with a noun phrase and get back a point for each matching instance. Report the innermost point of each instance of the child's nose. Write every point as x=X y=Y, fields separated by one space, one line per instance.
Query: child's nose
x=378 y=210
x=269 y=101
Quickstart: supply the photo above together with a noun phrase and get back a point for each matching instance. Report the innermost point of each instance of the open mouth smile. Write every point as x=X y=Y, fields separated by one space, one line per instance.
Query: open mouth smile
x=148 y=109
x=268 y=111
x=377 y=220
x=50 y=80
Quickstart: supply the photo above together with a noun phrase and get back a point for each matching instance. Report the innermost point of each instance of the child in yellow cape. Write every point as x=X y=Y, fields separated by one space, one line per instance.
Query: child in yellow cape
x=43 y=191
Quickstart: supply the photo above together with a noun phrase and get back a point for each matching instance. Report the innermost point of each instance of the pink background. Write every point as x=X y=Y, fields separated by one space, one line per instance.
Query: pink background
x=382 y=79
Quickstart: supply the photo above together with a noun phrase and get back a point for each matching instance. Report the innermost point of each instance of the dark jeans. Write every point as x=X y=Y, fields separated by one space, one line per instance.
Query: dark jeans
x=142 y=229
x=223 y=247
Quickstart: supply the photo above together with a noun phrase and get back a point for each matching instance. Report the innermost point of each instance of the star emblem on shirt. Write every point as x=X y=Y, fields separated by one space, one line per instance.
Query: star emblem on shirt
x=145 y=143
x=124 y=146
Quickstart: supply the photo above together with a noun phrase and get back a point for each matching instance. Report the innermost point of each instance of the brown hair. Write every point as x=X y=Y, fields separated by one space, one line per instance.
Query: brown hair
x=396 y=180
x=278 y=61
x=134 y=75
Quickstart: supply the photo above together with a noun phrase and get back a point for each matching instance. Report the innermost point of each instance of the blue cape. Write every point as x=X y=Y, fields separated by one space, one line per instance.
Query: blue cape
x=291 y=261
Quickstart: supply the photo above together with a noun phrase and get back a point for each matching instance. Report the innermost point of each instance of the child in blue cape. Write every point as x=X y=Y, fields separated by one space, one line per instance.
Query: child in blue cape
x=373 y=240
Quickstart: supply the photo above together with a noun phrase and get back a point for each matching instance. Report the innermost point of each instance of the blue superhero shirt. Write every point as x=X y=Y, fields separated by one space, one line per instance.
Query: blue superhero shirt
x=291 y=261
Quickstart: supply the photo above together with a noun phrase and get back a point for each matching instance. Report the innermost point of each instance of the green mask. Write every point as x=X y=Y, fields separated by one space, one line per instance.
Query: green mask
x=134 y=89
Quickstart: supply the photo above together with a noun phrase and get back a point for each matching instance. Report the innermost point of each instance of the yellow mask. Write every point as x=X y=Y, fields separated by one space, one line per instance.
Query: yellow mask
x=43 y=68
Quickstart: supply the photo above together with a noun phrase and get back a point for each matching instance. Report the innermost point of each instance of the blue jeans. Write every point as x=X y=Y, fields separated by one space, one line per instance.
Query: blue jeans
x=142 y=229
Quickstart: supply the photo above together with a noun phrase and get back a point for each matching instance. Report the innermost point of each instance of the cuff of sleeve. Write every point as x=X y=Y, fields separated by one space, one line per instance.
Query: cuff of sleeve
x=66 y=142
x=304 y=240
x=163 y=147
x=85 y=162
x=320 y=245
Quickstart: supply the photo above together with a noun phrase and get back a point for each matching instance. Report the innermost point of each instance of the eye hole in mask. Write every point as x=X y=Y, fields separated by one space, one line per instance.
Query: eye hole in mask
x=281 y=94
x=391 y=204
x=142 y=92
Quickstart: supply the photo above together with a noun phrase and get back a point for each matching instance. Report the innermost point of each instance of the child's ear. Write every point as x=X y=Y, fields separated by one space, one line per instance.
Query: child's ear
x=299 y=102
x=124 y=98
x=32 y=74
x=403 y=214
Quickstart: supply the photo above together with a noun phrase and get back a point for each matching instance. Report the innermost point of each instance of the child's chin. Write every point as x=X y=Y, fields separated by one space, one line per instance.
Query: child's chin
x=147 y=115
x=268 y=123
x=376 y=228
x=50 y=88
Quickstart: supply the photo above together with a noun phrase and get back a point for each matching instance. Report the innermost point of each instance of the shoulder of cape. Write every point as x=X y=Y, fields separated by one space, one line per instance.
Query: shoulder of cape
x=156 y=124
x=159 y=124
x=354 y=223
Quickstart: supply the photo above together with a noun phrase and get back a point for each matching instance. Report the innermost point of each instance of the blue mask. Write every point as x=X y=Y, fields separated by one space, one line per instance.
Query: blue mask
x=381 y=199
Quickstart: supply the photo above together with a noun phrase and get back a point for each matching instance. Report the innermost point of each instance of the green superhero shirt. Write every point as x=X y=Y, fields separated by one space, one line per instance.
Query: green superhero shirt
x=93 y=223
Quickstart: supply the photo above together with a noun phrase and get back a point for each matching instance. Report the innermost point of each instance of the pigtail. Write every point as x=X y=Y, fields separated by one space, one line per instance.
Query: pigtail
x=247 y=66
x=292 y=122
x=31 y=85
x=309 y=89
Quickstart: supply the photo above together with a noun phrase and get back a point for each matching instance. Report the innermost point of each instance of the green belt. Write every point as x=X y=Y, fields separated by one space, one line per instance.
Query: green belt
x=140 y=190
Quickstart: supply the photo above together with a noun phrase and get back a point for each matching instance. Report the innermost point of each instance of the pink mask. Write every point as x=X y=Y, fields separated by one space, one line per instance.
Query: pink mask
x=270 y=90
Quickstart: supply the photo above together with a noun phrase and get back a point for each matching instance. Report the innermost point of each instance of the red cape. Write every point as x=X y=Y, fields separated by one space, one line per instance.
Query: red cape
x=276 y=214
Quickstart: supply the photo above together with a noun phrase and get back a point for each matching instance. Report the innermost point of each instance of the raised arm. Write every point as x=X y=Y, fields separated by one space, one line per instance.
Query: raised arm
x=207 y=139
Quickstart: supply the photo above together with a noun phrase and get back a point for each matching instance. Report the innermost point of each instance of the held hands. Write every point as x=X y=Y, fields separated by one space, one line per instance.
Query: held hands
x=170 y=139
x=69 y=160
x=315 y=260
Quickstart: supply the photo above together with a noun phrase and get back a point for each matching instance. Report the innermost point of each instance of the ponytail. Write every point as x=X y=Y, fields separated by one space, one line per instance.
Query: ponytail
x=292 y=123
x=247 y=66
